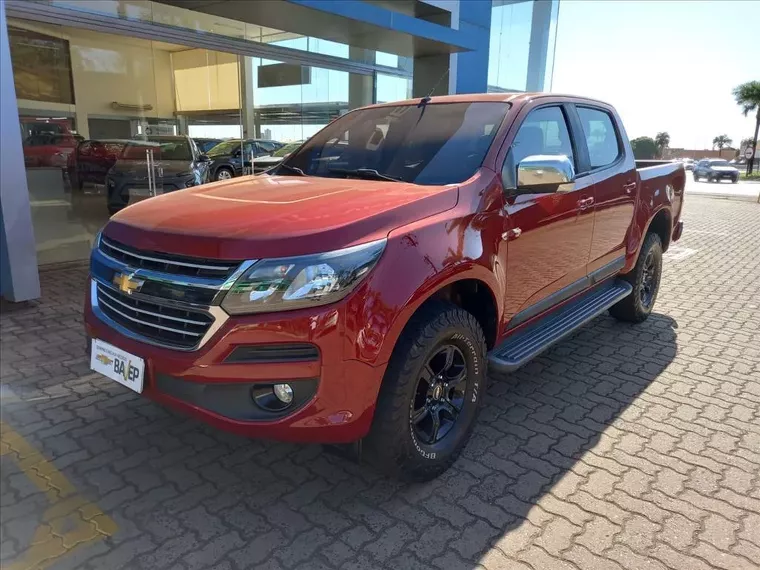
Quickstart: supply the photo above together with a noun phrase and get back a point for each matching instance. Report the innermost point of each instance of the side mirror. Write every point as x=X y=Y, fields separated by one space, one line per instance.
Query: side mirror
x=543 y=174
x=204 y=158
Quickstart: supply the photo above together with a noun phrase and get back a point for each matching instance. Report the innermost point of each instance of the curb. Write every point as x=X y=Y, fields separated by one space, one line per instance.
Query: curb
x=741 y=197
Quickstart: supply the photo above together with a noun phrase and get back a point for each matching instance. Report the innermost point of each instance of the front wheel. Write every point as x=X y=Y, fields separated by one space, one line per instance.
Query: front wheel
x=645 y=279
x=223 y=173
x=734 y=180
x=431 y=394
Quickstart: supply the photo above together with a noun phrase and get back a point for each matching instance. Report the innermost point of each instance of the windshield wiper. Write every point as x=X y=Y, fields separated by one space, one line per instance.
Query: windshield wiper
x=370 y=173
x=293 y=169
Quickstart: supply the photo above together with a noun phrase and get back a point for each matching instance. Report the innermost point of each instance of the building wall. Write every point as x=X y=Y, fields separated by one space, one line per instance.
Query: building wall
x=205 y=80
x=107 y=69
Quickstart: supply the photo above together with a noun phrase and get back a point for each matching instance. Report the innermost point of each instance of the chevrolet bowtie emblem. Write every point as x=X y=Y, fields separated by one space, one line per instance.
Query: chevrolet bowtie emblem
x=126 y=283
x=104 y=359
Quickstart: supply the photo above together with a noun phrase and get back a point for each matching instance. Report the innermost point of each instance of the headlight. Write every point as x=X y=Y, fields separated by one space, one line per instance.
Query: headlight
x=295 y=282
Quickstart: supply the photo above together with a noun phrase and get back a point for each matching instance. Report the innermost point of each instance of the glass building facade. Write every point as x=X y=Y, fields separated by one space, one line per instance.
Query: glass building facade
x=94 y=90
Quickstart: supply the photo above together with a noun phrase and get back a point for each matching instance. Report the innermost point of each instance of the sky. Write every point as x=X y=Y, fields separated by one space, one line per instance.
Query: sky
x=665 y=65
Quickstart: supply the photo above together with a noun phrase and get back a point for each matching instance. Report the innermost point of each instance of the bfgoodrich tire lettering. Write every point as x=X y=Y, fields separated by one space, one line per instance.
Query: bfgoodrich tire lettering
x=418 y=386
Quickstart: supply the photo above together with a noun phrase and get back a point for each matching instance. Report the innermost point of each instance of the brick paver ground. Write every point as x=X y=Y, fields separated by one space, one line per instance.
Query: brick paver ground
x=629 y=447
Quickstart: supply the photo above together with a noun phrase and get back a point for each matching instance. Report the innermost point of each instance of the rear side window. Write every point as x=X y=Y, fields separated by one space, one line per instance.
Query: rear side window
x=600 y=135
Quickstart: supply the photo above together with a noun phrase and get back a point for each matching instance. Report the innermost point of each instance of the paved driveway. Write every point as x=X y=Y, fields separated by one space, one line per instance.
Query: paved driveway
x=624 y=447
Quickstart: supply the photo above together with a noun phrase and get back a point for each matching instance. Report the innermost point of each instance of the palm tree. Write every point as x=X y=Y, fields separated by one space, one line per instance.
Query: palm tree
x=747 y=96
x=721 y=141
x=662 y=140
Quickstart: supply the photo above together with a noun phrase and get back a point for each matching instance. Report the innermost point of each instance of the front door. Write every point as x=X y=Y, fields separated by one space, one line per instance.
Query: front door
x=550 y=234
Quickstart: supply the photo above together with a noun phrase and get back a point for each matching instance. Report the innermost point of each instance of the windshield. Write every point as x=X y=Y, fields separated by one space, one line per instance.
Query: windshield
x=163 y=148
x=224 y=148
x=437 y=143
x=719 y=163
x=287 y=149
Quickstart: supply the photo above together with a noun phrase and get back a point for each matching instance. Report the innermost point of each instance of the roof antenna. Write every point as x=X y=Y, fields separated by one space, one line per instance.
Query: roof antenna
x=426 y=99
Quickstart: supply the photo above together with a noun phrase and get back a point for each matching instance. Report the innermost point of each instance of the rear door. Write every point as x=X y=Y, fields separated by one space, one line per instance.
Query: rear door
x=615 y=183
x=550 y=234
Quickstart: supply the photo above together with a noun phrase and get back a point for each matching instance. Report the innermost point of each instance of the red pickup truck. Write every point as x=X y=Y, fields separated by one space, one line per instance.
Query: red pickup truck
x=359 y=291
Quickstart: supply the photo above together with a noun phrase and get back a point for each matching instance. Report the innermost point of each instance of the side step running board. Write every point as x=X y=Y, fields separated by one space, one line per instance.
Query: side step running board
x=526 y=344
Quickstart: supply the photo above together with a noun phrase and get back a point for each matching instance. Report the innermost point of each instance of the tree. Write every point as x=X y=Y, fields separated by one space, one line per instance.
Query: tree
x=721 y=141
x=644 y=148
x=747 y=96
x=662 y=140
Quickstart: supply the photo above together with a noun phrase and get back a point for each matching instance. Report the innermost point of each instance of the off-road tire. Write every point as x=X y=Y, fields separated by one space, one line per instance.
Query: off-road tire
x=392 y=445
x=632 y=309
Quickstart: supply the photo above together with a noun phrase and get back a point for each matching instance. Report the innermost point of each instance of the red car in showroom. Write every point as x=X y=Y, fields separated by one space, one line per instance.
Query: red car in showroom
x=360 y=291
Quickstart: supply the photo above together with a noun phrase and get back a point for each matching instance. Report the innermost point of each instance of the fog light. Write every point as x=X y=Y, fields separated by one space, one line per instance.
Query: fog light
x=284 y=393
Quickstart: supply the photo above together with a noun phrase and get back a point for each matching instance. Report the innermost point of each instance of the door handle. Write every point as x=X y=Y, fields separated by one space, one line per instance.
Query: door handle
x=629 y=187
x=585 y=203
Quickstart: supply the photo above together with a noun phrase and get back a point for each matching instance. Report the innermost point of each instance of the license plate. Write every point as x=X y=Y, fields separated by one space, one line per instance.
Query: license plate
x=127 y=369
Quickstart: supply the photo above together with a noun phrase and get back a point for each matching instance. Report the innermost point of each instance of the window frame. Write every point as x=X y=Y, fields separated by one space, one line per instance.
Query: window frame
x=581 y=135
x=578 y=156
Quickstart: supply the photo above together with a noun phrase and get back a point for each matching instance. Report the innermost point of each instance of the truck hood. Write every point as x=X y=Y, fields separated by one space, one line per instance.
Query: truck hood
x=274 y=216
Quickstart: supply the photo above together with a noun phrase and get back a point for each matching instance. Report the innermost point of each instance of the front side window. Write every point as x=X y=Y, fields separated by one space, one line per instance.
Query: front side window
x=437 y=143
x=600 y=135
x=544 y=132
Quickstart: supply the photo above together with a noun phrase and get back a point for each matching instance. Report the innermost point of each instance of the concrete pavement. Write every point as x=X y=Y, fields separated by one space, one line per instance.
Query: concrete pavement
x=623 y=447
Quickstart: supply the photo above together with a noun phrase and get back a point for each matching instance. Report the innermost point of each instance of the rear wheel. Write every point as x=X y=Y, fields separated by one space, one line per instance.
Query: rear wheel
x=431 y=394
x=645 y=279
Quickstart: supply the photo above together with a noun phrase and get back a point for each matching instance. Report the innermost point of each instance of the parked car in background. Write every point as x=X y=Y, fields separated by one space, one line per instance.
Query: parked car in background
x=688 y=163
x=233 y=157
x=205 y=145
x=266 y=162
x=715 y=170
x=176 y=163
x=47 y=142
x=91 y=161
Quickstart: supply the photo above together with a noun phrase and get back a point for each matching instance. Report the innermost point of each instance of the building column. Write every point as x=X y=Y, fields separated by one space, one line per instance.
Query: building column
x=462 y=72
x=19 y=276
x=247 y=87
x=539 y=45
x=361 y=88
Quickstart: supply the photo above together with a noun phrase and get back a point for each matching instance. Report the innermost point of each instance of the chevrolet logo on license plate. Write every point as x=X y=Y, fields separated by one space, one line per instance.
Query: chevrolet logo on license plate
x=127 y=283
x=104 y=359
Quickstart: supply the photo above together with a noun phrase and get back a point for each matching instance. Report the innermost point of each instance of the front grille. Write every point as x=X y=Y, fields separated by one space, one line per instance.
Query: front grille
x=174 y=264
x=169 y=326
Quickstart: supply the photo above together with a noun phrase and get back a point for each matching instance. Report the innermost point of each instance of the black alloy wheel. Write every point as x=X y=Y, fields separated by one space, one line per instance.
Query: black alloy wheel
x=649 y=280
x=440 y=394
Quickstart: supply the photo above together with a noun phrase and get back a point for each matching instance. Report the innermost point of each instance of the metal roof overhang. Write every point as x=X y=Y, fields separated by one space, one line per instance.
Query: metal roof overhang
x=352 y=22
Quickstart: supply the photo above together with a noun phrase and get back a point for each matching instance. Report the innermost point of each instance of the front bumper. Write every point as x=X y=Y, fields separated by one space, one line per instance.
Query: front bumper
x=338 y=395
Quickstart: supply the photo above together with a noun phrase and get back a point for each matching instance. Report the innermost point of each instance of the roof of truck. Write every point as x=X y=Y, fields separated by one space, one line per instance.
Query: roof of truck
x=486 y=97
